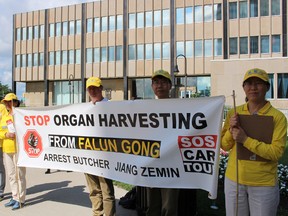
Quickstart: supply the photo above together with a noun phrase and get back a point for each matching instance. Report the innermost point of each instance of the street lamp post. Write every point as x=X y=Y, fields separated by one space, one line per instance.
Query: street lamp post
x=176 y=70
x=71 y=88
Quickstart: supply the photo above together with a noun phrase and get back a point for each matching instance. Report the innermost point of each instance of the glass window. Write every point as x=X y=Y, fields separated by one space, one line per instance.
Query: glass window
x=18 y=34
x=78 y=26
x=42 y=31
x=41 y=59
x=208 y=48
x=140 y=52
x=232 y=10
x=64 y=57
x=35 y=59
x=270 y=92
x=243 y=9
x=148 y=51
x=89 y=25
x=166 y=17
x=29 y=60
x=132 y=21
x=111 y=53
x=165 y=50
x=276 y=43
x=198 y=14
x=208 y=13
x=112 y=23
x=78 y=56
x=23 y=60
x=282 y=80
x=18 y=61
x=119 y=53
x=58 y=29
x=89 y=55
x=30 y=33
x=24 y=33
x=132 y=52
x=143 y=89
x=36 y=32
x=103 y=54
x=140 y=20
x=189 y=15
x=217 y=12
x=180 y=48
x=264 y=7
x=104 y=24
x=71 y=27
x=179 y=16
x=264 y=44
x=233 y=46
x=96 y=54
x=157 y=18
x=96 y=24
x=275 y=7
x=198 y=48
x=243 y=45
x=71 y=57
x=58 y=58
x=148 y=19
x=51 y=58
x=51 y=30
x=119 y=22
x=254 y=44
x=65 y=28
x=189 y=49
x=218 y=47
x=253 y=8
x=157 y=50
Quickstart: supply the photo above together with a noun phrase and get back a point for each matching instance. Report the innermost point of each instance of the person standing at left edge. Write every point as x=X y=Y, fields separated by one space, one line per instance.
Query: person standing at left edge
x=101 y=190
x=16 y=175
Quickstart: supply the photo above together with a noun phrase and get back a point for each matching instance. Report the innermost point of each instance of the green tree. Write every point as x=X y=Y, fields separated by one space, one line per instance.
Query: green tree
x=4 y=89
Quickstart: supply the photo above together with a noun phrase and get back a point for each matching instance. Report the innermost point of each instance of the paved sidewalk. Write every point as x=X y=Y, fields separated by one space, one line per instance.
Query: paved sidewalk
x=60 y=193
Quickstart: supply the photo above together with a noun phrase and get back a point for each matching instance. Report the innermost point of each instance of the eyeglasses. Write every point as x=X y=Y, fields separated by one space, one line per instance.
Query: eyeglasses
x=257 y=84
x=160 y=82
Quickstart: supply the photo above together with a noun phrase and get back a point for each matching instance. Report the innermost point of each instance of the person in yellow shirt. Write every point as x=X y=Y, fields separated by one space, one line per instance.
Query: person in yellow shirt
x=16 y=175
x=254 y=189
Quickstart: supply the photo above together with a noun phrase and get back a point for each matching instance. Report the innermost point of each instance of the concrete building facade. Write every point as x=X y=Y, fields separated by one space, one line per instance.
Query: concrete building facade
x=213 y=43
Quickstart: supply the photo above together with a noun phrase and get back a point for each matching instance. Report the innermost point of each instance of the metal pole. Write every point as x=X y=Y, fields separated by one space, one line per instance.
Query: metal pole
x=185 y=72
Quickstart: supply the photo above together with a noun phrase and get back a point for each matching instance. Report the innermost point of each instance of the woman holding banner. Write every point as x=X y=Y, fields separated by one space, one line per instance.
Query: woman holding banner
x=16 y=174
x=251 y=183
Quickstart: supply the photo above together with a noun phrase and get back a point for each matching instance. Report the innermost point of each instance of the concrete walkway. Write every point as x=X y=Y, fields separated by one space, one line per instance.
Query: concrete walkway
x=60 y=193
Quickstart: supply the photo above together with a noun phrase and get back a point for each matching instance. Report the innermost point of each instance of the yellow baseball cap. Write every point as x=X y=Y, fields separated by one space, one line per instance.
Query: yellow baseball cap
x=93 y=81
x=161 y=73
x=10 y=97
x=256 y=72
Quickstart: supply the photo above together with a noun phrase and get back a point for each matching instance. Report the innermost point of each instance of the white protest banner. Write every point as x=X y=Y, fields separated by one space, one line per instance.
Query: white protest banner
x=169 y=143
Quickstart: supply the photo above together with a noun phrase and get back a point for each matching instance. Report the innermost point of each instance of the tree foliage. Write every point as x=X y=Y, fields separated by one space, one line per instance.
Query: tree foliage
x=4 y=89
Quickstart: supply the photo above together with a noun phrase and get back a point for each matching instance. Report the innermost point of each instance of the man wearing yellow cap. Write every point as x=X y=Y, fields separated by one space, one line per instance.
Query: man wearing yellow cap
x=253 y=190
x=101 y=190
x=16 y=175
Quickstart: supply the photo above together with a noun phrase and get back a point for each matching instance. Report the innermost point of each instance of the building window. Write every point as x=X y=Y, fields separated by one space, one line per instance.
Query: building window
x=198 y=14
x=132 y=21
x=35 y=59
x=264 y=7
x=119 y=53
x=157 y=51
x=165 y=50
x=207 y=13
x=254 y=45
x=143 y=89
x=253 y=8
x=71 y=57
x=96 y=24
x=270 y=92
x=232 y=10
x=180 y=16
x=148 y=19
x=58 y=29
x=180 y=48
x=148 y=51
x=276 y=47
x=51 y=30
x=111 y=23
x=42 y=31
x=96 y=55
x=51 y=58
x=157 y=18
x=24 y=33
x=36 y=32
x=198 y=48
x=189 y=49
x=132 y=52
x=89 y=55
x=189 y=15
x=71 y=27
x=78 y=56
x=65 y=28
x=233 y=46
x=208 y=48
x=103 y=54
x=218 y=47
x=243 y=9
x=111 y=53
x=78 y=26
x=23 y=62
x=166 y=17
x=265 y=44
x=282 y=80
x=104 y=24
x=140 y=52
x=63 y=94
x=119 y=22
x=140 y=20
x=18 y=34
x=18 y=61
x=30 y=33
x=275 y=7
x=64 y=57
x=58 y=58
x=217 y=12
x=41 y=59
x=243 y=45
x=89 y=25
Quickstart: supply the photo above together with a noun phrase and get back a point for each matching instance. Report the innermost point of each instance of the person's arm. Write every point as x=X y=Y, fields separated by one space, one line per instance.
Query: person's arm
x=227 y=141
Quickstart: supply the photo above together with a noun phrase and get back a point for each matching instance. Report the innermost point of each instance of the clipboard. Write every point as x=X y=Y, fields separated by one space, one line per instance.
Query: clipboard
x=257 y=127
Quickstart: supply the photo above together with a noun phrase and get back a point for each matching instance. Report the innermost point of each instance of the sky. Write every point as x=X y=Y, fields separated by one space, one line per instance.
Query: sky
x=7 y=9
